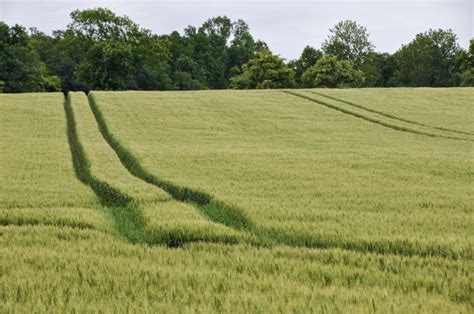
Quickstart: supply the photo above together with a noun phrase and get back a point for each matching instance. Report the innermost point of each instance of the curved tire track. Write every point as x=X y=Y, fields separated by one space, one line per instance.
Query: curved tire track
x=231 y=216
x=214 y=209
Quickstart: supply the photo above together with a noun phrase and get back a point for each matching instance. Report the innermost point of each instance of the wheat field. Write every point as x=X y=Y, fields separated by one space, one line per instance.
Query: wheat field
x=317 y=200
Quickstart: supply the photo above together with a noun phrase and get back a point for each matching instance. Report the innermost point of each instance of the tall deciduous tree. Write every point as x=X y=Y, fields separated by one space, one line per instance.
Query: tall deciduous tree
x=348 y=41
x=117 y=54
x=379 y=69
x=211 y=48
x=242 y=48
x=21 y=69
x=428 y=60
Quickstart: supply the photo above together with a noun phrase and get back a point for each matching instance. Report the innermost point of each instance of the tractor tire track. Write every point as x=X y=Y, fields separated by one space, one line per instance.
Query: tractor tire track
x=130 y=223
x=60 y=223
x=234 y=217
x=216 y=210
x=375 y=121
x=389 y=115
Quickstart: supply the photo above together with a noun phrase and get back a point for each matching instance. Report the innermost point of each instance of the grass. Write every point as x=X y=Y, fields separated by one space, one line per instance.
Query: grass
x=374 y=116
x=216 y=210
x=133 y=202
x=377 y=117
x=305 y=174
x=449 y=109
x=35 y=162
x=389 y=115
x=225 y=201
x=81 y=218
x=42 y=271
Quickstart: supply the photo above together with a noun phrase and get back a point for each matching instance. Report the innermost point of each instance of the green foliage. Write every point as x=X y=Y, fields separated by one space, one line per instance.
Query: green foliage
x=210 y=49
x=467 y=78
x=106 y=66
x=101 y=50
x=467 y=66
x=150 y=61
x=242 y=48
x=20 y=67
x=428 y=60
x=333 y=73
x=186 y=73
x=379 y=69
x=308 y=58
x=100 y=25
x=51 y=83
x=21 y=70
x=104 y=51
x=348 y=41
x=265 y=71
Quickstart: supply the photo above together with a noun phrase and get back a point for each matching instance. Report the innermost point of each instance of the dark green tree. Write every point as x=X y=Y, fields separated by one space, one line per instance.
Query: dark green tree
x=101 y=25
x=428 y=60
x=308 y=58
x=107 y=66
x=21 y=69
x=186 y=73
x=466 y=65
x=150 y=61
x=242 y=48
x=211 y=51
x=115 y=53
x=379 y=70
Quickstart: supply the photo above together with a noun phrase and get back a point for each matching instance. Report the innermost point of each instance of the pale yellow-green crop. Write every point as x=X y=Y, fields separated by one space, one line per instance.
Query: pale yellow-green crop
x=237 y=201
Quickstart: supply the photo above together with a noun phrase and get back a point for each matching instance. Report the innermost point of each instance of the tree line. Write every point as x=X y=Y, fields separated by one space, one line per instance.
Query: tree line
x=99 y=50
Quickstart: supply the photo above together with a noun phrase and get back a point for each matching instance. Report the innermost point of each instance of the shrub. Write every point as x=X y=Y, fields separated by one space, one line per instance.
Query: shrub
x=331 y=72
x=265 y=71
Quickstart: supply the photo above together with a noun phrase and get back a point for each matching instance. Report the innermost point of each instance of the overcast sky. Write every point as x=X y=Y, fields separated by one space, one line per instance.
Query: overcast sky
x=286 y=26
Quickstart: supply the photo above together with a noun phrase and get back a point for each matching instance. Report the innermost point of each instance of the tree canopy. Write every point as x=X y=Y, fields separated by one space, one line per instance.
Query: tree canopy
x=348 y=41
x=308 y=58
x=264 y=71
x=331 y=72
x=428 y=60
x=101 y=50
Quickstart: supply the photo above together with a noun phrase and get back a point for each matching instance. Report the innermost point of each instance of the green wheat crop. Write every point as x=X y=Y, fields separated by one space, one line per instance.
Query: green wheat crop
x=237 y=201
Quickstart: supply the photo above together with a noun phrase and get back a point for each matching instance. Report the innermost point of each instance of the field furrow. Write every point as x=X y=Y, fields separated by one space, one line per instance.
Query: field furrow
x=275 y=172
x=447 y=108
x=391 y=116
x=82 y=218
x=37 y=181
x=135 y=204
x=383 y=120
